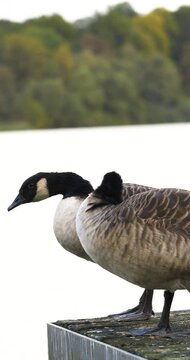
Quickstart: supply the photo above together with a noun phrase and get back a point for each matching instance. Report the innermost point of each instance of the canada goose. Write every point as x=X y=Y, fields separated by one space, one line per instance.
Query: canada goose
x=144 y=239
x=74 y=190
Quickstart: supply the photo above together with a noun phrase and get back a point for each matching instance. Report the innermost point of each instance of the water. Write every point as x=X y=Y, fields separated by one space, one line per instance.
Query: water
x=40 y=282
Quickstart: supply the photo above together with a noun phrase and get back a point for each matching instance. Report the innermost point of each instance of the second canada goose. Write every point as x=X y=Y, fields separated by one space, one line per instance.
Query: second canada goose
x=74 y=190
x=144 y=239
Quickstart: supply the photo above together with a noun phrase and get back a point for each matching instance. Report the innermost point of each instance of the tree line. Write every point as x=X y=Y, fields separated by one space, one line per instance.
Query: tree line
x=109 y=69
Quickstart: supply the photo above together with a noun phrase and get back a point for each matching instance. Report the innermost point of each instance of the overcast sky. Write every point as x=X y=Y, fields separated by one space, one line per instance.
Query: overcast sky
x=19 y=10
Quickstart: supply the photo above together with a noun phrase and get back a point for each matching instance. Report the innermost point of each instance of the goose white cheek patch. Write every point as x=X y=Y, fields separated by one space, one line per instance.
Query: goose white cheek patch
x=42 y=190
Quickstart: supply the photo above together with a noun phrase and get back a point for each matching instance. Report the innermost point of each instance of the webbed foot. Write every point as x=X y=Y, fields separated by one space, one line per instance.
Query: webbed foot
x=143 y=311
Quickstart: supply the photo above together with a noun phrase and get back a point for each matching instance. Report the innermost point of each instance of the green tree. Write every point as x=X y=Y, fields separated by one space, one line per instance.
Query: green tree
x=44 y=97
x=48 y=36
x=113 y=68
x=184 y=64
x=172 y=29
x=55 y=22
x=7 y=91
x=83 y=103
x=122 y=100
x=30 y=111
x=65 y=60
x=115 y=25
x=27 y=57
x=8 y=27
x=160 y=88
x=183 y=110
x=182 y=18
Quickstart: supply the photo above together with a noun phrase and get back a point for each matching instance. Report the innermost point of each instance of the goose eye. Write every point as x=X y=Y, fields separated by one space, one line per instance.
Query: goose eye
x=31 y=186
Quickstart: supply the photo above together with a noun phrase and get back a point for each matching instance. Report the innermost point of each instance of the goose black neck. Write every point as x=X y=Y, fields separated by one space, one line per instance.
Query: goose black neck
x=68 y=184
x=110 y=189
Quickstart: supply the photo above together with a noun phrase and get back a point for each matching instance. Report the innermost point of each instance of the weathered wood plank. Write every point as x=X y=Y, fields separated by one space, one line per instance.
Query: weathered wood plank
x=117 y=334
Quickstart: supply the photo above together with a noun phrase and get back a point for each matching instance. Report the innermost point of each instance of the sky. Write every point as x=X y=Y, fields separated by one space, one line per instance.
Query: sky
x=71 y=10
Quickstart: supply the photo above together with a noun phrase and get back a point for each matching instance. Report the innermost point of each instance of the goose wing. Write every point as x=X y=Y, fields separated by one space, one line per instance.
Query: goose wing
x=130 y=189
x=163 y=208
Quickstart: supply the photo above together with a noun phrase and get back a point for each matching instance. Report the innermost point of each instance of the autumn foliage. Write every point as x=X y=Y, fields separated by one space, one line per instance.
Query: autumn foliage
x=110 y=69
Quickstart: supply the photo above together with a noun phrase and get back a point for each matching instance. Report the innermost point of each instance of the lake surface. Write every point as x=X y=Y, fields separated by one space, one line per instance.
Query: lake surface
x=40 y=282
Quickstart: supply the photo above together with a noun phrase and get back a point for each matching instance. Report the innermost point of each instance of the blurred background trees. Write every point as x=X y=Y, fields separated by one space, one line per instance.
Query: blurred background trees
x=110 y=69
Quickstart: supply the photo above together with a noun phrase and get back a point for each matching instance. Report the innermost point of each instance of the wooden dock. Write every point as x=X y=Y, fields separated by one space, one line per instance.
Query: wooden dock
x=107 y=339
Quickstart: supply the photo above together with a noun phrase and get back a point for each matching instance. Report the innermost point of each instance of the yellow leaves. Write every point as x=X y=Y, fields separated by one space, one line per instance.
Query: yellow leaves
x=64 y=58
x=26 y=56
x=149 y=34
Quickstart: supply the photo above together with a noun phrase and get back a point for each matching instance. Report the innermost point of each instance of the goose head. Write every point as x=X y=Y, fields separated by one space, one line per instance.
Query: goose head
x=110 y=190
x=43 y=185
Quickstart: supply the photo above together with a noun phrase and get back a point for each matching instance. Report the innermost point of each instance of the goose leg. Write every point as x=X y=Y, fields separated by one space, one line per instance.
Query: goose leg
x=163 y=326
x=143 y=311
x=164 y=322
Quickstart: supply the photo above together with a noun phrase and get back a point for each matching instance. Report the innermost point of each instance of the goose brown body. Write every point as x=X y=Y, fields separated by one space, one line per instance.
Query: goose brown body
x=65 y=218
x=144 y=239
